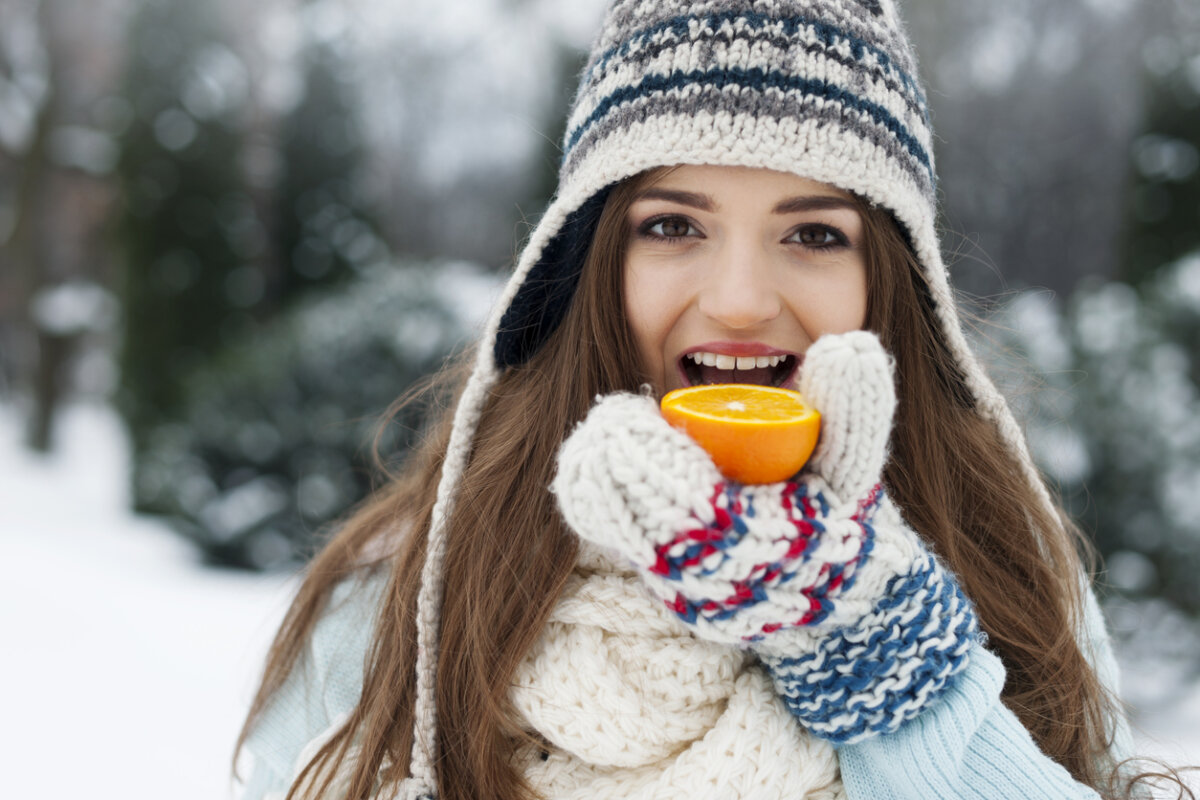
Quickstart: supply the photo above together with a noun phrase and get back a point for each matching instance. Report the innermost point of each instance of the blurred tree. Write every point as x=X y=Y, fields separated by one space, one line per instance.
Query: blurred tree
x=1118 y=420
x=1115 y=421
x=273 y=439
x=55 y=159
x=1034 y=103
x=214 y=248
x=566 y=65
x=36 y=74
x=264 y=438
x=191 y=241
x=1163 y=220
x=323 y=231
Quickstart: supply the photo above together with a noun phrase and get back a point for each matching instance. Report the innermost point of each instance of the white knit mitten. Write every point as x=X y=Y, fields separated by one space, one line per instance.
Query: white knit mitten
x=857 y=622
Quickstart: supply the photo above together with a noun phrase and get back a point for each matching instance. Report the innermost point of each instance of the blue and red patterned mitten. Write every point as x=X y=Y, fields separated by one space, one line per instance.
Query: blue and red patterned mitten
x=858 y=624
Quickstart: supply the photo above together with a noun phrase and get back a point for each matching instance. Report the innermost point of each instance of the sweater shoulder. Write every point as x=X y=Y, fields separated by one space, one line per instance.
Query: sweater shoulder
x=323 y=687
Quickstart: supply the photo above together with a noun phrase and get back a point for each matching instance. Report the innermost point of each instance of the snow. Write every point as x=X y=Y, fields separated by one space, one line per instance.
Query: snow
x=129 y=665
x=73 y=307
x=88 y=149
x=1160 y=676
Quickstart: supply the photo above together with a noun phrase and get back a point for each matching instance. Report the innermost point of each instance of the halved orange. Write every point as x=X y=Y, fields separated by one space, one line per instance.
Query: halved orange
x=755 y=434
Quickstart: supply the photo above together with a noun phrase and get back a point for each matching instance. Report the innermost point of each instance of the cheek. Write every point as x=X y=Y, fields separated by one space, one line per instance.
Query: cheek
x=651 y=303
x=835 y=304
x=639 y=308
x=856 y=303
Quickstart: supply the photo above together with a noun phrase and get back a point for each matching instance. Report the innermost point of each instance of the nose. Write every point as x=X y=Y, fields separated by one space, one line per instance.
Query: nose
x=739 y=289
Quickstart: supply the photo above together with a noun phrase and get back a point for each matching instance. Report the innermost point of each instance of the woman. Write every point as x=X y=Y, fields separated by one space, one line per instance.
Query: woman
x=740 y=180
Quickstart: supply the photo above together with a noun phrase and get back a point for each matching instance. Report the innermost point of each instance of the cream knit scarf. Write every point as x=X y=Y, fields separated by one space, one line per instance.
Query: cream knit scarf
x=632 y=705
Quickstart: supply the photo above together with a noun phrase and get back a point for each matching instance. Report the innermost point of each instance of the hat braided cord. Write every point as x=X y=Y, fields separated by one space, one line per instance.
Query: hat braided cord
x=422 y=780
x=423 y=777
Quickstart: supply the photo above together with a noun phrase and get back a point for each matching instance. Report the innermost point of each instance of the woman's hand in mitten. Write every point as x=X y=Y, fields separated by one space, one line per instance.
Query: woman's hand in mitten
x=858 y=624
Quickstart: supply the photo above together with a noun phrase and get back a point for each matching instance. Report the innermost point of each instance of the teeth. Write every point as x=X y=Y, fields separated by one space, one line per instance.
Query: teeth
x=735 y=362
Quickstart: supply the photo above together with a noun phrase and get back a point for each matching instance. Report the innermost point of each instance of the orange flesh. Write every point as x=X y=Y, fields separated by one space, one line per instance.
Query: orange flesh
x=754 y=434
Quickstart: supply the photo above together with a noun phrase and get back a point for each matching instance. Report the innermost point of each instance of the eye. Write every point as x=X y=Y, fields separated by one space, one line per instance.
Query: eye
x=819 y=237
x=668 y=228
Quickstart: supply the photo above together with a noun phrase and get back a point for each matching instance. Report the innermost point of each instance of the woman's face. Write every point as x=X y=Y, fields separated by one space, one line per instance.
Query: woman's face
x=732 y=272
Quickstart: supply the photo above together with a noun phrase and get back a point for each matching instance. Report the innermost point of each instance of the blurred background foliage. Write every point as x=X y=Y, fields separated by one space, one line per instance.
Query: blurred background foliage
x=252 y=227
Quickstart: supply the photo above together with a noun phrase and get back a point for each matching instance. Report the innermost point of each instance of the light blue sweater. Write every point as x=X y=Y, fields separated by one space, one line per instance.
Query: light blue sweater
x=966 y=745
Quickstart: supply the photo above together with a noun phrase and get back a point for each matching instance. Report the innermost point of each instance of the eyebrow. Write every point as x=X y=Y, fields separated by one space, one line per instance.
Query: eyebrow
x=819 y=202
x=692 y=199
x=792 y=205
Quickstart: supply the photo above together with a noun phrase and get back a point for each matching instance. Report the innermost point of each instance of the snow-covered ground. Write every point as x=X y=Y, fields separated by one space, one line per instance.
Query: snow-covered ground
x=128 y=666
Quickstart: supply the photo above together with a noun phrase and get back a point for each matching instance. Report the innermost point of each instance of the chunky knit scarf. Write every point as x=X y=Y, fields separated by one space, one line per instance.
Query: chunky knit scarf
x=632 y=705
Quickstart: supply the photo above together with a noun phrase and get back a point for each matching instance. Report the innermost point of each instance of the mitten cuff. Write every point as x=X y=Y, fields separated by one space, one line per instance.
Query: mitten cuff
x=871 y=677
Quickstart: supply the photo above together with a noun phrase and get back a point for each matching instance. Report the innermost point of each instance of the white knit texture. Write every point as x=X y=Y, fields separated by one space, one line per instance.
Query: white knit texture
x=850 y=379
x=634 y=707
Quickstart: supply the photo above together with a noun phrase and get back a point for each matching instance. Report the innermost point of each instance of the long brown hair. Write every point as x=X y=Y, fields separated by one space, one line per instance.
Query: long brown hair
x=509 y=553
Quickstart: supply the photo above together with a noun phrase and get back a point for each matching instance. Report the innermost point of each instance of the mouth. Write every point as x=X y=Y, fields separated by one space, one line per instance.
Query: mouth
x=701 y=367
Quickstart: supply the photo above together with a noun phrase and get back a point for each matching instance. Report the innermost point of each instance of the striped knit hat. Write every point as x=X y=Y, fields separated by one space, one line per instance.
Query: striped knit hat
x=825 y=89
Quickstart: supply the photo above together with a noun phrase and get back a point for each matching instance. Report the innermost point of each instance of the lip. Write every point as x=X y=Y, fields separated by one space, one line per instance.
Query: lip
x=738 y=349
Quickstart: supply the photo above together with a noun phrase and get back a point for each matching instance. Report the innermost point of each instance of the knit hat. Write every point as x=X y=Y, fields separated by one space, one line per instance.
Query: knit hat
x=825 y=89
